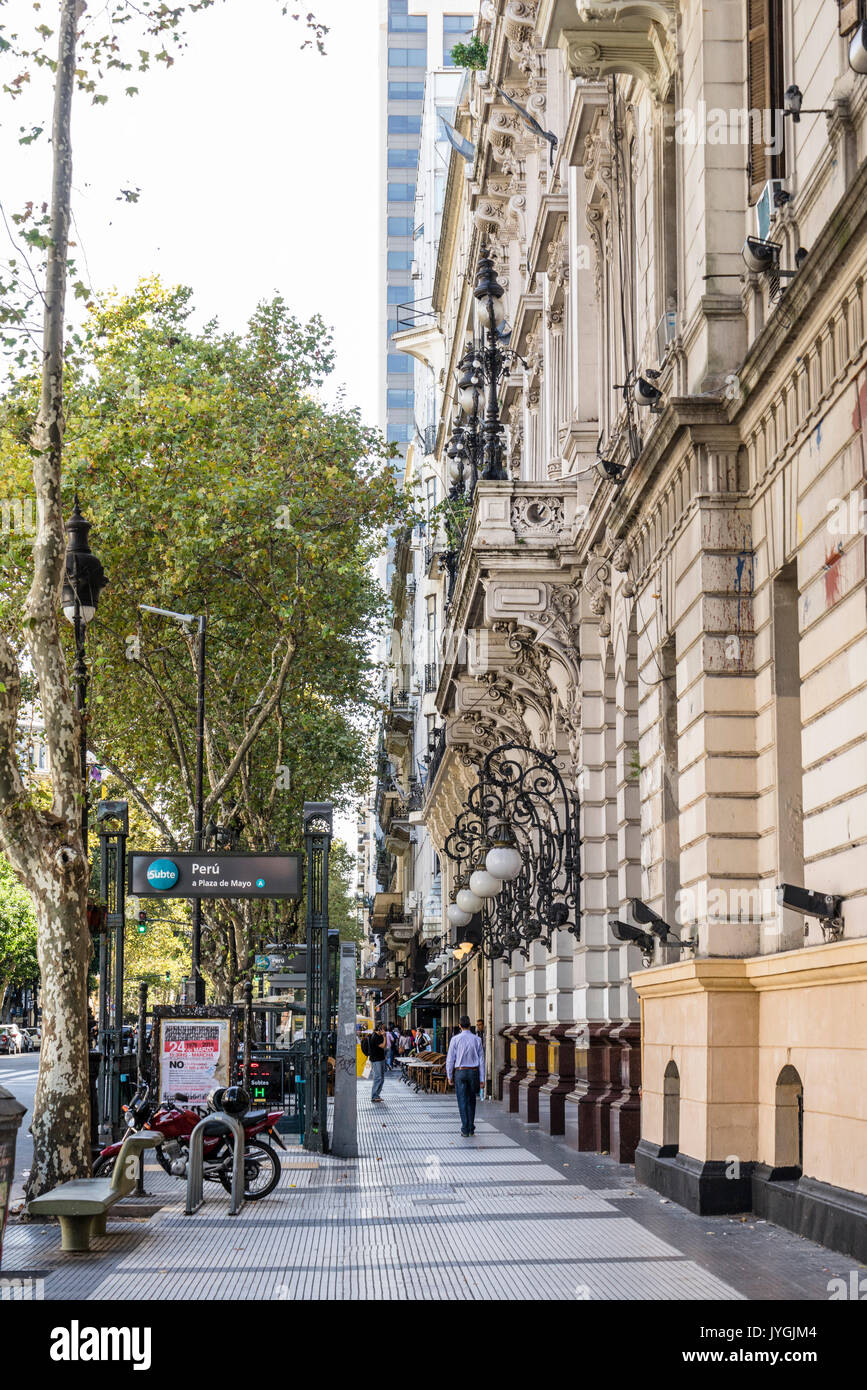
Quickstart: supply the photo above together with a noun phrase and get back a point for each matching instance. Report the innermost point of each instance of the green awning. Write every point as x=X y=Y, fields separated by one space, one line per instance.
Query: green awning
x=404 y=1008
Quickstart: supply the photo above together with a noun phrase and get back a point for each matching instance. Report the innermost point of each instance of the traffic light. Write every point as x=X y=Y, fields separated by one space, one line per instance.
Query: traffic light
x=168 y=977
x=142 y=923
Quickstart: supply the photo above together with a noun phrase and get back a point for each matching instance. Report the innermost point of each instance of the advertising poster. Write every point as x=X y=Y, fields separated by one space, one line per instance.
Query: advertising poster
x=194 y=1057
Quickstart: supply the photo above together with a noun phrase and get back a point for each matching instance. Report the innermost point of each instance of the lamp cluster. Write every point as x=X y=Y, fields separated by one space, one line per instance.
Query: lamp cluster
x=476 y=446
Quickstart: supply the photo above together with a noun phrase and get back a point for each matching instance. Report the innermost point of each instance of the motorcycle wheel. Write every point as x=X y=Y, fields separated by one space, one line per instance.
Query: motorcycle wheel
x=104 y=1167
x=261 y=1171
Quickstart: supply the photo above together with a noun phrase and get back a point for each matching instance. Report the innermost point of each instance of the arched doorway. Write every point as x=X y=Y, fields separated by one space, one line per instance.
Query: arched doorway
x=789 y=1122
x=670 y=1110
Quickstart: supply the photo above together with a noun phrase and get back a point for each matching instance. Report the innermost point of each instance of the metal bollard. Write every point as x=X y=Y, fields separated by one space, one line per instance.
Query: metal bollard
x=196 y=1162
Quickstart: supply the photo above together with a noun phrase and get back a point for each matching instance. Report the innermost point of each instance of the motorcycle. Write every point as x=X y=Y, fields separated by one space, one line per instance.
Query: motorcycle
x=176 y=1122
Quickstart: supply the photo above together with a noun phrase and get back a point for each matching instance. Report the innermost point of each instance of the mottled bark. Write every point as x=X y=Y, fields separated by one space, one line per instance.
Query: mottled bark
x=46 y=849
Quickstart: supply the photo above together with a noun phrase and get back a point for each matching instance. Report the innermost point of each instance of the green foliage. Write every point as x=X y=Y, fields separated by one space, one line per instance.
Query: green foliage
x=218 y=482
x=472 y=55
x=342 y=910
x=17 y=931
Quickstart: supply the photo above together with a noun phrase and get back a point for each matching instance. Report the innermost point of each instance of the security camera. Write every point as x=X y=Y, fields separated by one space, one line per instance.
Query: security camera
x=858 y=48
x=825 y=906
x=624 y=931
x=800 y=256
x=793 y=100
x=648 y=918
x=611 y=472
x=646 y=393
x=761 y=256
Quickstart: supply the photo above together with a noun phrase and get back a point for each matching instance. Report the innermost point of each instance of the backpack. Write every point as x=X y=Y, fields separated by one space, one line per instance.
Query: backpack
x=364 y=1044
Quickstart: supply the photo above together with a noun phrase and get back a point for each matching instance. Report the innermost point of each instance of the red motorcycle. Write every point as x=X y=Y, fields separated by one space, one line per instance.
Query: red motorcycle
x=176 y=1122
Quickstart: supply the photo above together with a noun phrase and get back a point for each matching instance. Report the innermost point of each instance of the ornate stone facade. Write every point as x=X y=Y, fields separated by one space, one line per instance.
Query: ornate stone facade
x=684 y=629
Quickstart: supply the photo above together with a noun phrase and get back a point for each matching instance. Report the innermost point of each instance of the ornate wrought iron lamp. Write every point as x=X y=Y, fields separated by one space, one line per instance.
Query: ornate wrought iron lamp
x=488 y=293
x=518 y=852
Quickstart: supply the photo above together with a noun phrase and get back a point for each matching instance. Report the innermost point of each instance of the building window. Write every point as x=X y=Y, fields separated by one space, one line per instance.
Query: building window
x=402 y=159
x=399 y=433
x=406 y=91
x=457 y=28
x=399 y=260
x=398 y=364
x=407 y=23
x=404 y=125
x=765 y=91
x=398 y=294
x=431 y=625
x=401 y=192
x=407 y=57
x=400 y=226
x=399 y=398
x=430 y=497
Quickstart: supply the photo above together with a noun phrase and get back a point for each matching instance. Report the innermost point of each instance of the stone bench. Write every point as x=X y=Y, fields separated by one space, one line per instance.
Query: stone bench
x=82 y=1204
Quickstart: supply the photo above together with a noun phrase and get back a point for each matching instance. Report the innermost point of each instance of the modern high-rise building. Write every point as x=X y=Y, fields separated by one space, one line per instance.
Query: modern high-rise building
x=417 y=37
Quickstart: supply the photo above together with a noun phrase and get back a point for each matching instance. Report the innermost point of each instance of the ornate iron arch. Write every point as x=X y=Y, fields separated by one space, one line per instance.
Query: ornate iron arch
x=523 y=789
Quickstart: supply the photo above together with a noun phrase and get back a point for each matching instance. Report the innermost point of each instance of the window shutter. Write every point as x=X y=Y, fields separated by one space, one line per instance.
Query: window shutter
x=764 y=87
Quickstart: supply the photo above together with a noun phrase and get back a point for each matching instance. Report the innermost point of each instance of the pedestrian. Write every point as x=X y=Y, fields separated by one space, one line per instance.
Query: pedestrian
x=390 y=1043
x=465 y=1066
x=376 y=1054
x=422 y=1041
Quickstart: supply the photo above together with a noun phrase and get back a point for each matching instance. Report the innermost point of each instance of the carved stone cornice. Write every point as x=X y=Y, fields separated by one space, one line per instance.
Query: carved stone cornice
x=637 y=37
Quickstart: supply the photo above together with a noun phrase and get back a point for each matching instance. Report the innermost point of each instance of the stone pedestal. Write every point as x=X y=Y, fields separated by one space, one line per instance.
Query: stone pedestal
x=587 y=1125
x=560 y=1080
x=537 y=1073
x=625 y=1111
x=517 y=1068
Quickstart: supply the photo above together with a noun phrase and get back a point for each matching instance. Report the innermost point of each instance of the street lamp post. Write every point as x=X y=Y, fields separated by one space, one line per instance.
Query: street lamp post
x=84 y=582
x=201 y=619
x=488 y=293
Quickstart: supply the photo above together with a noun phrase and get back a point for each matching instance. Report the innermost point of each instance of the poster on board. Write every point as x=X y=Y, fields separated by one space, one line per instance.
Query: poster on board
x=193 y=1055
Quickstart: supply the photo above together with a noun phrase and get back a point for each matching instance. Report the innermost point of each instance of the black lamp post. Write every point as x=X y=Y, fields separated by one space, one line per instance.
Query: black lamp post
x=85 y=580
x=198 y=827
x=488 y=293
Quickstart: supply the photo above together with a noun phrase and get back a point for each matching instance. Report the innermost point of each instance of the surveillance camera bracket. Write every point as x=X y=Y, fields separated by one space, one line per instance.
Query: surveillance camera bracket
x=832 y=928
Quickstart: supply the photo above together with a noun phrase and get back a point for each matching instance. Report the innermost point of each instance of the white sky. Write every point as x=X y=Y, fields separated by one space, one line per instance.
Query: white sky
x=258 y=166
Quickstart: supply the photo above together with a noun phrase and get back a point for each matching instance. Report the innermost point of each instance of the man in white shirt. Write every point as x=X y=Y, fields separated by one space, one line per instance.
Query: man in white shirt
x=465 y=1065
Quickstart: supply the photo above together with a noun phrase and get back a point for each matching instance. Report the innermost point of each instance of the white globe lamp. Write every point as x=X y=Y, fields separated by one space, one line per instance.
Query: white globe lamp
x=468 y=901
x=504 y=861
x=484 y=885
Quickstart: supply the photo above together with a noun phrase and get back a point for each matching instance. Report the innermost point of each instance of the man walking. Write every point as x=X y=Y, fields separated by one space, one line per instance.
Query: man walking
x=376 y=1053
x=465 y=1065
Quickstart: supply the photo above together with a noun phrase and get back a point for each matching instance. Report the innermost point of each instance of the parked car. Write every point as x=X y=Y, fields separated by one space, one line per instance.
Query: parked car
x=14 y=1038
x=35 y=1036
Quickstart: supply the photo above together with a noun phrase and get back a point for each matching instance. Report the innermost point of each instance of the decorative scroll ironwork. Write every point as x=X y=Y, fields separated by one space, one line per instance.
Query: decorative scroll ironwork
x=523 y=789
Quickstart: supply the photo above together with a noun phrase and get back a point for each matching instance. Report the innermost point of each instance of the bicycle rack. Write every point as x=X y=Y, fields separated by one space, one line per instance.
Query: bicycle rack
x=196 y=1162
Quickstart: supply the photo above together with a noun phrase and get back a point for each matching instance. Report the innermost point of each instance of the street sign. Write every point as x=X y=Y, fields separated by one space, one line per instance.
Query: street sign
x=215 y=875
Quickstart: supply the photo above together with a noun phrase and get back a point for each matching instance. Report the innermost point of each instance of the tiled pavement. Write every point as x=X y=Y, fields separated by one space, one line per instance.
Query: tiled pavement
x=509 y=1214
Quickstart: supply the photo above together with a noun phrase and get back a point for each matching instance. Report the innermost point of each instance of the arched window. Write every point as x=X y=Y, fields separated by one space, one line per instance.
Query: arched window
x=789 y=1121
x=671 y=1109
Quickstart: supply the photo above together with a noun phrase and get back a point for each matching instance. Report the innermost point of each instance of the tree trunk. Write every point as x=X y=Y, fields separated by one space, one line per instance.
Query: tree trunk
x=52 y=861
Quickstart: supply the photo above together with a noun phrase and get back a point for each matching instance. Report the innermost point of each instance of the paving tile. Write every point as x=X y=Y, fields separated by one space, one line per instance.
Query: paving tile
x=510 y=1214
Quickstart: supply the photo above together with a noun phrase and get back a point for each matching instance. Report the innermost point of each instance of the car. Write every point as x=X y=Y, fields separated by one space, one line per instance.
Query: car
x=35 y=1036
x=14 y=1038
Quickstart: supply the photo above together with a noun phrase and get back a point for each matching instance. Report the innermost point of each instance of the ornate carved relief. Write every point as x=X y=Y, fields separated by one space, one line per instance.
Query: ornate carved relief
x=537 y=516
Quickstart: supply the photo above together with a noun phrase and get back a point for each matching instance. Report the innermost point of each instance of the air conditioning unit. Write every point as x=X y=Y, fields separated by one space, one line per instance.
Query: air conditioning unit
x=415 y=271
x=773 y=196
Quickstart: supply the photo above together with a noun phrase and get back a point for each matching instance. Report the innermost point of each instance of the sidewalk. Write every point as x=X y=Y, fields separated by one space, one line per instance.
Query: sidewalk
x=510 y=1214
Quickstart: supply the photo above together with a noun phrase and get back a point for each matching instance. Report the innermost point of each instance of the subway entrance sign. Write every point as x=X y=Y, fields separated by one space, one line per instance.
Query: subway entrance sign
x=205 y=875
